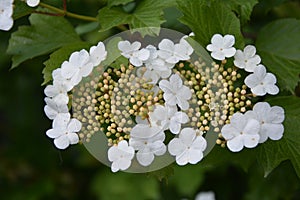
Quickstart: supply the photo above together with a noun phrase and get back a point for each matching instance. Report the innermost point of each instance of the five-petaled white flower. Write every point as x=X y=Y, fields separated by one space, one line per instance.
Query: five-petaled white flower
x=173 y=53
x=133 y=52
x=6 y=12
x=188 y=147
x=247 y=59
x=221 y=47
x=270 y=119
x=209 y=195
x=64 y=131
x=168 y=117
x=53 y=108
x=98 y=53
x=78 y=66
x=32 y=3
x=242 y=131
x=261 y=82
x=120 y=155
x=175 y=92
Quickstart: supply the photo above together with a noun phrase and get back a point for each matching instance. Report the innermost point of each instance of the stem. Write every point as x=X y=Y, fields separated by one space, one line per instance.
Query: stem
x=66 y=13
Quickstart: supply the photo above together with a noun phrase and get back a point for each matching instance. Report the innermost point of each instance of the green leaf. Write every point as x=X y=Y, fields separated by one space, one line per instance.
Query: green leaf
x=148 y=13
x=21 y=9
x=205 y=20
x=111 y=3
x=278 y=45
x=45 y=34
x=242 y=8
x=58 y=57
x=272 y=153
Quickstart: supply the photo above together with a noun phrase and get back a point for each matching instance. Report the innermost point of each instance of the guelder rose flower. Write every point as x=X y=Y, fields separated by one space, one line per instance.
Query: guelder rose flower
x=98 y=53
x=173 y=53
x=32 y=3
x=270 y=119
x=78 y=66
x=261 y=82
x=247 y=59
x=209 y=195
x=242 y=131
x=53 y=108
x=188 y=147
x=221 y=47
x=120 y=156
x=6 y=12
x=175 y=92
x=131 y=51
x=64 y=131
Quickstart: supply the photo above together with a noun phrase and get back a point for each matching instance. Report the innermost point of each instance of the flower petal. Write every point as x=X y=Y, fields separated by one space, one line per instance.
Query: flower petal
x=62 y=142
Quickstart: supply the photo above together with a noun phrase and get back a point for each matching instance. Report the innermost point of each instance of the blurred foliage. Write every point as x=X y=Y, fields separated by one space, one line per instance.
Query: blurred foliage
x=31 y=167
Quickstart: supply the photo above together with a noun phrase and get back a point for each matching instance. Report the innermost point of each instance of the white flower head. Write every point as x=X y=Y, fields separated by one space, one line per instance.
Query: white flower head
x=64 y=131
x=247 y=59
x=98 y=53
x=242 y=131
x=78 y=66
x=132 y=51
x=32 y=3
x=270 y=119
x=58 y=79
x=175 y=92
x=120 y=156
x=261 y=82
x=221 y=47
x=173 y=53
x=53 y=108
x=209 y=195
x=188 y=147
x=6 y=12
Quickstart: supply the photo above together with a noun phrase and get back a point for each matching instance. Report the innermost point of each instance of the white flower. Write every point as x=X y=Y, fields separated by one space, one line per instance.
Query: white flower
x=6 y=12
x=32 y=3
x=261 y=82
x=188 y=147
x=169 y=118
x=175 y=92
x=58 y=79
x=64 y=131
x=78 y=66
x=98 y=53
x=242 y=131
x=131 y=51
x=209 y=195
x=173 y=53
x=247 y=59
x=53 y=108
x=270 y=119
x=221 y=47
x=120 y=156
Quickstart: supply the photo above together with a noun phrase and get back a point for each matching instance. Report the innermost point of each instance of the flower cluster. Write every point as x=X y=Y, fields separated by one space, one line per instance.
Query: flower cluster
x=263 y=122
x=6 y=12
x=164 y=101
x=79 y=65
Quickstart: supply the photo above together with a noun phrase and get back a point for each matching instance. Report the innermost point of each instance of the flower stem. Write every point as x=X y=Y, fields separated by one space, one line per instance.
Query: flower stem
x=66 y=13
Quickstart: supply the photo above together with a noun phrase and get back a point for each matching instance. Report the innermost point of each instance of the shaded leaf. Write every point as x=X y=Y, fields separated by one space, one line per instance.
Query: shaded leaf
x=111 y=3
x=21 y=9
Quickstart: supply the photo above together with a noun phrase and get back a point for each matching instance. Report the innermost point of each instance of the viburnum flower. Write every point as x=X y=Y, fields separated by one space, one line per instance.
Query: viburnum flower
x=209 y=195
x=261 y=82
x=270 y=119
x=64 y=131
x=32 y=3
x=247 y=59
x=120 y=155
x=175 y=92
x=173 y=53
x=6 y=12
x=78 y=66
x=188 y=147
x=221 y=47
x=58 y=79
x=53 y=108
x=242 y=131
x=98 y=53
x=147 y=147
x=133 y=52
x=169 y=118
